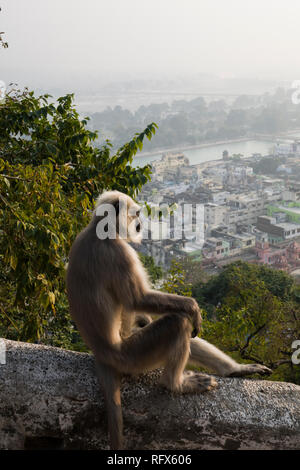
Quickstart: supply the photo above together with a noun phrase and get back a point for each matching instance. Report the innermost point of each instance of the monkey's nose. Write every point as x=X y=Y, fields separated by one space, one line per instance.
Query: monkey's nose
x=138 y=227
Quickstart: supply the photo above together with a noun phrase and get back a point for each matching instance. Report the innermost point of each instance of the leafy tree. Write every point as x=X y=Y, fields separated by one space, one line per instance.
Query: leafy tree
x=252 y=312
x=194 y=273
x=175 y=282
x=236 y=118
x=267 y=165
x=50 y=174
x=272 y=119
x=278 y=283
x=155 y=272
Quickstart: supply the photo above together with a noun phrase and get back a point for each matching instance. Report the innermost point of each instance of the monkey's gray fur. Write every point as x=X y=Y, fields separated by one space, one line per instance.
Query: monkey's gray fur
x=110 y=296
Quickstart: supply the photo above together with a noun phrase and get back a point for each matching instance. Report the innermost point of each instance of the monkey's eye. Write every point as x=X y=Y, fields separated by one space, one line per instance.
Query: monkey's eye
x=138 y=213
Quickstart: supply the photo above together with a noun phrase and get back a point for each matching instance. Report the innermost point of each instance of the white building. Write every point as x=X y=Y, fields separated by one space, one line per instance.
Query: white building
x=214 y=216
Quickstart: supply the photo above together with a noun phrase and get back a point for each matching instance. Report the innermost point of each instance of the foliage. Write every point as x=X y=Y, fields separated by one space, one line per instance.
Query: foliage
x=267 y=165
x=278 y=283
x=155 y=272
x=194 y=273
x=253 y=313
x=55 y=133
x=175 y=282
x=50 y=174
x=196 y=121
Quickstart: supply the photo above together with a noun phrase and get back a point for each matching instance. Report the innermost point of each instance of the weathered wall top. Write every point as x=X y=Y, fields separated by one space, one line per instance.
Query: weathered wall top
x=50 y=398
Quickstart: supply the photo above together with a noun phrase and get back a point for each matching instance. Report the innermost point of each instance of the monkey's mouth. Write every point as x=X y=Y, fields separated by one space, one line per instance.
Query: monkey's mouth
x=138 y=227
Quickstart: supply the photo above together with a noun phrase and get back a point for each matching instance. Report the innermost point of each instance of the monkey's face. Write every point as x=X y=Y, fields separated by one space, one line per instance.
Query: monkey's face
x=134 y=223
x=120 y=217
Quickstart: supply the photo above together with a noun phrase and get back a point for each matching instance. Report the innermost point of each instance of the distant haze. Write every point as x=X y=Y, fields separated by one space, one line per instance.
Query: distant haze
x=85 y=44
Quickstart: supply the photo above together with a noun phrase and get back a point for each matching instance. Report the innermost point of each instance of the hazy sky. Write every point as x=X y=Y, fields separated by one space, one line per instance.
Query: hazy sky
x=62 y=42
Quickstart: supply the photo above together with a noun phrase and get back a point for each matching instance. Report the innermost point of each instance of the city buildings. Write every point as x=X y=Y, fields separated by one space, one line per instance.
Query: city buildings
x=245 y=215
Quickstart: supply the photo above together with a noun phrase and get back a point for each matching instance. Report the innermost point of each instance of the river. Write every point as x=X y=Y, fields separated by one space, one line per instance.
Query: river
x=214 y=151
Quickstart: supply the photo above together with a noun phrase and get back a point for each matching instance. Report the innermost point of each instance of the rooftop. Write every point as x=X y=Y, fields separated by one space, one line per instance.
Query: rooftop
x=296 y=210
x=288 y=226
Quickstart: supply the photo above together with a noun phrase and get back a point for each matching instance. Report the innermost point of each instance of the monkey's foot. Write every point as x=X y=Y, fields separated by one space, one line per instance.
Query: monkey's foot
x=248 y=369
x=195 y=382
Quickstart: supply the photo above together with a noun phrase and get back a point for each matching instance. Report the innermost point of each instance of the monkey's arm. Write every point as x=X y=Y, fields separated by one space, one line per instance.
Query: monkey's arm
x=156 y=302
x=153 y=301
x=206 y=355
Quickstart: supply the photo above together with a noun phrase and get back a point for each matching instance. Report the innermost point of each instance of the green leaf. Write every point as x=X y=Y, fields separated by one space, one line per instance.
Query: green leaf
x=13 y=261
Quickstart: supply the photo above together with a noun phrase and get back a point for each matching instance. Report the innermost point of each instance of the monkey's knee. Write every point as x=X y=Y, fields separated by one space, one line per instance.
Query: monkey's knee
x=173 y=325
x=182 y=324
x=178 y=332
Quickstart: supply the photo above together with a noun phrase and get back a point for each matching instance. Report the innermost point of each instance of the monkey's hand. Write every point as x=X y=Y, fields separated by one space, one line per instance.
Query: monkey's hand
x=194 y=312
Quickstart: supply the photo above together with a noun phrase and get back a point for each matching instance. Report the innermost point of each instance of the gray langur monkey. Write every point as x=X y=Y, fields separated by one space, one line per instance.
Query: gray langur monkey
x=110 y=300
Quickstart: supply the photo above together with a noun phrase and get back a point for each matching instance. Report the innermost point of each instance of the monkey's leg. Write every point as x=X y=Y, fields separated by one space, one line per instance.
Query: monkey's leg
x=166 y=343
x=141 y=320
x=207 y=355
x=110 y=382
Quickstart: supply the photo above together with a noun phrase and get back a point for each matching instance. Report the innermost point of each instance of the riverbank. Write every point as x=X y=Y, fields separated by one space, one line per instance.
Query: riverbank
x=205 y=152
x=191 y=147
x=284 y=135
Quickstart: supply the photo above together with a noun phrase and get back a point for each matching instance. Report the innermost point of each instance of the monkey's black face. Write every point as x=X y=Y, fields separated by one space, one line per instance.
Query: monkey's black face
x=134 y=224
x=120 y=217
x=135 y=230
x=128 y=222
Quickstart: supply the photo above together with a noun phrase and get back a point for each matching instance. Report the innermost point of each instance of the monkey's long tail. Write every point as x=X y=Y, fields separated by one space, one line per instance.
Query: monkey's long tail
x=110 y=381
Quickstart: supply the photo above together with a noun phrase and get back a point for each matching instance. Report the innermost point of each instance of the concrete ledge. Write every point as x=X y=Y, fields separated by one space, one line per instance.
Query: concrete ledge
x=50 y=399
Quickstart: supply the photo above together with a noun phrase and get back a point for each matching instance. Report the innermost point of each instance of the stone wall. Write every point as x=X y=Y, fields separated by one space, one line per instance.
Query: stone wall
x=50 y=399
